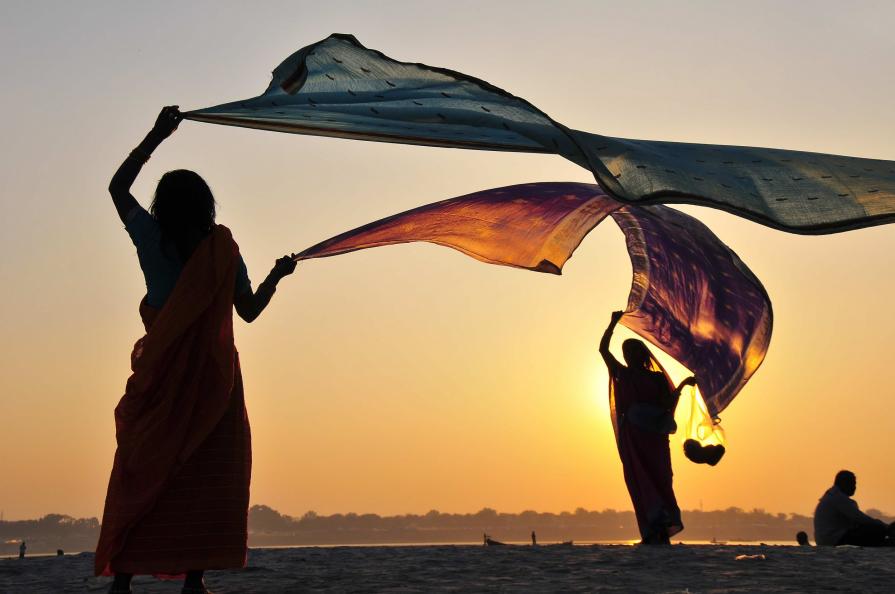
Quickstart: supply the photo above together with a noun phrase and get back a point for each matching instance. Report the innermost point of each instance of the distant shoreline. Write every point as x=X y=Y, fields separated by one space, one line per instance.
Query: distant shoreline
x=684 y=542
x=269 y=528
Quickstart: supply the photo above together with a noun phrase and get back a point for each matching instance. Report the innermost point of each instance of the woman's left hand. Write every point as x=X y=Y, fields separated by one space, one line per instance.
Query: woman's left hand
x=284 y=266
x=690 y=381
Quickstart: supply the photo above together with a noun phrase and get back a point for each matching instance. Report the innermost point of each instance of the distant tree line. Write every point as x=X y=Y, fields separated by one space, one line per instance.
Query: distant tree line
x=268 y=527
x=271 y=528
x=49 y=533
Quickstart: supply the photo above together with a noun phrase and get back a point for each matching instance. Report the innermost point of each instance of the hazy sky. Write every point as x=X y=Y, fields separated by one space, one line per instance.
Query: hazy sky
x=408 y=378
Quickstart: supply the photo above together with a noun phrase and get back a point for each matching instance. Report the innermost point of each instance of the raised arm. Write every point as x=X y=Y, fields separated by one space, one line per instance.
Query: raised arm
x=611 y=361
x=120 y=186
x=249 y=305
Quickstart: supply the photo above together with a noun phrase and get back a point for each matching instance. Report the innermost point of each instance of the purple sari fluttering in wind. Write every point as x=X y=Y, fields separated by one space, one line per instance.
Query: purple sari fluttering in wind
x=691 y=295
x=695 y=299
x=532 y=226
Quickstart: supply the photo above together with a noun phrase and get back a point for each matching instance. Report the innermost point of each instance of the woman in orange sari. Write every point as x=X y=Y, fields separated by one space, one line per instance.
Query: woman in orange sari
x=178 y=494
x=642 y=400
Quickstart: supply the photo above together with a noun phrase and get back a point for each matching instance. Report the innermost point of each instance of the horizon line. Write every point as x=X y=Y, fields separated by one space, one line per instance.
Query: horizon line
x=576 y=511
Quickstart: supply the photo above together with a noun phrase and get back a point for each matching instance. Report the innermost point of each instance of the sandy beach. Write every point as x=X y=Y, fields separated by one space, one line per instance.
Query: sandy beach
x=596 y=568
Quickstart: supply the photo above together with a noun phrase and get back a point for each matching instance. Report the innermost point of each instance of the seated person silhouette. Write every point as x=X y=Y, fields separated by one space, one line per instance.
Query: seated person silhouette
x=802 y=538
x=839 y=521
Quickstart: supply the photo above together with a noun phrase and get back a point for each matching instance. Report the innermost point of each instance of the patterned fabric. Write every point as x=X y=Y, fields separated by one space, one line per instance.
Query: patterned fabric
x=339 y=88
x=533 y=226
x=691 y=295
x=695 y=299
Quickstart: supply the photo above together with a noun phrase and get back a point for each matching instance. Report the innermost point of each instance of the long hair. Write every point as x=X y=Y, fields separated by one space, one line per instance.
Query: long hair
x=184 y=208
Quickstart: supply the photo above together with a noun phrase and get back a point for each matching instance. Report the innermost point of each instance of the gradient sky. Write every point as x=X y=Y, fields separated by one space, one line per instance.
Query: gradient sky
x=408 y=378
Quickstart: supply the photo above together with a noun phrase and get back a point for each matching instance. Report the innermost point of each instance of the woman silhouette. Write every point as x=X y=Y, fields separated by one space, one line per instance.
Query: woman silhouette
x=178 y=494
x=642 y=400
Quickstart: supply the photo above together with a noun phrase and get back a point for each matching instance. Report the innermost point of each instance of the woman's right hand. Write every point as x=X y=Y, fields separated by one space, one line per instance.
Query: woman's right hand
x=616 y=316
x=166 y=122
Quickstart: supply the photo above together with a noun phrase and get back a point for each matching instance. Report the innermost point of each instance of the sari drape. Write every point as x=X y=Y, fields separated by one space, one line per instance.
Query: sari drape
x=337 y=87
x=178 y=492
x=694 y=298
x=691 y=295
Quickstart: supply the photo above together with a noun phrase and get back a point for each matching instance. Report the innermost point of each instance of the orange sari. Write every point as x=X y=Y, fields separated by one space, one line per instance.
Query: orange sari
x=179 y=490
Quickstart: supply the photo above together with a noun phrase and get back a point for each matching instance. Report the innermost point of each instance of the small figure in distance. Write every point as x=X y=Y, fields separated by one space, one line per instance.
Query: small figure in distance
x=22 y=548
x=802 y=538
x=534 y=539
x=839 y=521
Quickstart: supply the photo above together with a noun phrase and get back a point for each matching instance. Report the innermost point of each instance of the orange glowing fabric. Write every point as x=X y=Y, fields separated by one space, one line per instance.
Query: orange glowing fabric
x=691 y=295
x=532 y=226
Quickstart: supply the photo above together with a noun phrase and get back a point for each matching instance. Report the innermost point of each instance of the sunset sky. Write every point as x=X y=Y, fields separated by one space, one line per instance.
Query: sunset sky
x=410 y=378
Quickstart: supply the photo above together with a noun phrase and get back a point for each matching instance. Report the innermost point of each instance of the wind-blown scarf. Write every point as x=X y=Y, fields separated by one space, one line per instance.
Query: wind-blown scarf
x=690 y=295
x=337 y=87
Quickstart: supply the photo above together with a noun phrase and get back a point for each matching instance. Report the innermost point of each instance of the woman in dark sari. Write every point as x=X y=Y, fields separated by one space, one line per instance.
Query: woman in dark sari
x=642 y=400
x=178 y=494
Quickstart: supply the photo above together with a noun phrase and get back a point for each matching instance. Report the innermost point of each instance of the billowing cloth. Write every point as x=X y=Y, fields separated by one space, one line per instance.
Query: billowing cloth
x=179 y=489
x=695 y=299
x=339 y=88
x=644 y=450
x=532 y=226
x=691 y=295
